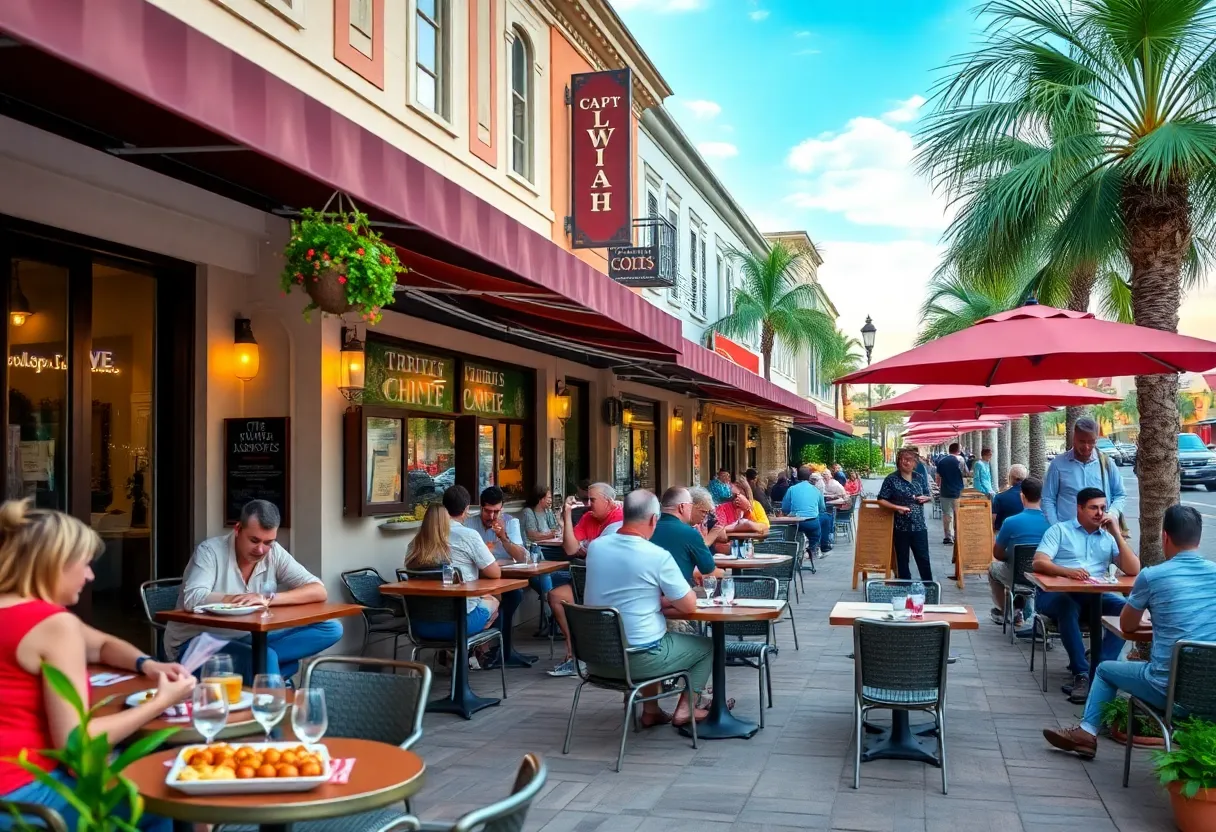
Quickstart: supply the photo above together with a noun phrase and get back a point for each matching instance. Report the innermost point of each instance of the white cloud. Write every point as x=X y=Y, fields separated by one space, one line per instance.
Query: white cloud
x=802 y=52
x=906 y=111
x=865 y=174
x=702 y=109
x=718 y=150
x=758 y=15
x=660 y=5
x=803 y=34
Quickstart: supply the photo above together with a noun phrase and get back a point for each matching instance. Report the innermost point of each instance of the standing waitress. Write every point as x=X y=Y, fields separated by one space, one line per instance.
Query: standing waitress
x=904 y=493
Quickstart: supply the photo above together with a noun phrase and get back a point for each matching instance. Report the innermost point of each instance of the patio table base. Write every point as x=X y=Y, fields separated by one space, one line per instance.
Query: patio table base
x=902 y=742
x=721 y=724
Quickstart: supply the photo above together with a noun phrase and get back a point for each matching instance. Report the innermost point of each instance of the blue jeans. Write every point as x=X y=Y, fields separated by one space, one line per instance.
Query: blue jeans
x=1112 y=677
x=45 y=796
x=827 y=529
x=284 y=648
x=812 y=530
x=1066 y=610
x=475 y=622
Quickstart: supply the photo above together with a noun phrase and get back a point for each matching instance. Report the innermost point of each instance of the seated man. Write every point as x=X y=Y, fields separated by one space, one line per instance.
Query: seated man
x=629 y=572
x=1009 y=502
x=603 y=516
x=1178 y=594
x=739 y=514
x=244 y=567
x=1079 y=549
x=805 y=502
x=676 y=534
x=1026 y=528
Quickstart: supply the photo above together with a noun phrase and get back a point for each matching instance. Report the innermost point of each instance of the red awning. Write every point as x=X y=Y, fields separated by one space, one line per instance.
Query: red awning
x=729 y=381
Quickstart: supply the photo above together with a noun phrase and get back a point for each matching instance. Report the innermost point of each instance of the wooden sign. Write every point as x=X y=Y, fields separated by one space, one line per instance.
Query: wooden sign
x=875 y=530
x=973 y=538
x=257 y=465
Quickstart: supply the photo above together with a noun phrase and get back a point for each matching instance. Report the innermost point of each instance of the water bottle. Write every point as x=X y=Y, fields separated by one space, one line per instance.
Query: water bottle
x=751 y=548
x=734 y=549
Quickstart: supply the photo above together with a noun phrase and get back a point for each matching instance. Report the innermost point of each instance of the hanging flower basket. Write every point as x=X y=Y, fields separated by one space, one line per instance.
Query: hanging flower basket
x=341 y=263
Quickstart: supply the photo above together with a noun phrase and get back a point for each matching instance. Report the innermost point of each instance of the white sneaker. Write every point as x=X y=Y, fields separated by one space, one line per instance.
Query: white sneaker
x=566 y=668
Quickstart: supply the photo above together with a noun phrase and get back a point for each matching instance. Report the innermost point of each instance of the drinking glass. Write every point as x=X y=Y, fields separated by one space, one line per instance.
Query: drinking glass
x=728 y=591
x=266 y=588
x=899 y=603
x=711 y=585
x=218 y=670
x=209 y=710
x=449 y=574
x=309 y=718
x=918 y=606
x=269 y=700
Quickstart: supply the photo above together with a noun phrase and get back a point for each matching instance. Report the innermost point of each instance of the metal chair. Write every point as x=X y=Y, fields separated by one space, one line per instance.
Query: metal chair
x=383 y=615
x=507 y=815
x=1022 y=563
x=844 y=520
x=578 y=579
x=34 y=816
x=1044 y=631
x=159 y=595
x=1191 y=692
x=901 y=666
x=597 y=640
x=787 y=532
x=784 y=573
x=755 y=654
x=882 y=591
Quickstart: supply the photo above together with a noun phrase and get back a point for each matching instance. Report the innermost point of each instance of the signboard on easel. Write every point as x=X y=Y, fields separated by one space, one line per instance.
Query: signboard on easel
x=973 y=538
x=875 y=530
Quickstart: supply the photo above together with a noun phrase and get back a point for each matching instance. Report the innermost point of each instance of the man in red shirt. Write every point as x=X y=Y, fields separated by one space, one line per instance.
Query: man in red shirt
x=603 y=516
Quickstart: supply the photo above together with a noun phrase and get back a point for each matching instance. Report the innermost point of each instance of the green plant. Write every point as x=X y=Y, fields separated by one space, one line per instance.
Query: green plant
x=100 y=789
x=815 y=453
x=343 y=243
x=1192 y=762
x=857 y=454
x=1114 y=716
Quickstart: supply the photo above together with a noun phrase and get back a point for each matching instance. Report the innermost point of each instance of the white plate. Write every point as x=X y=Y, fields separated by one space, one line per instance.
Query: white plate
x=244 y=703
x=228 y=609
x=256 y=785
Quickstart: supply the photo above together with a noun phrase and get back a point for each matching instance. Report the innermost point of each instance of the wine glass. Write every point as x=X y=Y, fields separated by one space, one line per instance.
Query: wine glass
x=710 y=584
x=266 y=588
x=309 y=718
x=269 y=700
x=209 y=710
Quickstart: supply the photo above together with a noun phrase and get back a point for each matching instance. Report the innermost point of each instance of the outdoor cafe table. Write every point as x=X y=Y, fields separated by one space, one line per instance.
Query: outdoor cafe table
x=1141 y=635
x=784 y=519
x=746 y=535
x=738 y=564
x=531 y=570
x=721 y=723
x=383 y=775
x=1055 y=583
x=901 y=741
x=281 y=618
x=462 y=700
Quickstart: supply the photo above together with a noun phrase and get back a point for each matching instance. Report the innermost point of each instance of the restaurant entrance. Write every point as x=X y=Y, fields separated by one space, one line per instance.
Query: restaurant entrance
x=95 y=354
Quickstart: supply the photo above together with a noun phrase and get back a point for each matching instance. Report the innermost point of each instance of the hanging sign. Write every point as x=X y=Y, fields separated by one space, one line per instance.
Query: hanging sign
x=500 y=392
x=400 y=376
x=601 y=158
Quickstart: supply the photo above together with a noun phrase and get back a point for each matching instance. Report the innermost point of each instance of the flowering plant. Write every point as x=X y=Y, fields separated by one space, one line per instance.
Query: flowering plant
x=342 y=249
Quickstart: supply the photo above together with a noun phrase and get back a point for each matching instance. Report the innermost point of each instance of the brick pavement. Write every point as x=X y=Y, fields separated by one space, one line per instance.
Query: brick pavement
x=796 y=773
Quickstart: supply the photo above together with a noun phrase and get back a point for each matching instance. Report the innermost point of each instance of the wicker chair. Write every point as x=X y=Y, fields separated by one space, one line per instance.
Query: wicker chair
x=901 y=666
x=787 y=532
x=34 y=816
x=506 y=815
x=597 y=639
x=159 y=596
x=755 y=654
x=383 y=616
x=784 y=573
x=882 y=591
x=1191 y=691
x=1022 y=562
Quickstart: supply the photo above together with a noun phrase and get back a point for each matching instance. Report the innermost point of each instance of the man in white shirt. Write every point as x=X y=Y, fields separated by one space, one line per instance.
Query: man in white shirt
x=248 y=566
x=626 y=571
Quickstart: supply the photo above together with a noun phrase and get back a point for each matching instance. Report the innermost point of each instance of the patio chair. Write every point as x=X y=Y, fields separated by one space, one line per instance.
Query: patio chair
x=844 y=520
x=383 y=616
x=1191 y=691
x=1045 y=632
x=901 y=666
x=507 y=815
x=754 y=654
x=1022 y=562
x=159 y=595
x=34 y=816
x=782 y=532
x=784 y=573
x=881 y=591
x=578 y=579
x=597 y=639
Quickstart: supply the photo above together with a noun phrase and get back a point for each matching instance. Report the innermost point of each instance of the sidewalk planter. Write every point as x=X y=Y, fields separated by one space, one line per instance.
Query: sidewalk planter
x=1139 y=742
x=1195 y=814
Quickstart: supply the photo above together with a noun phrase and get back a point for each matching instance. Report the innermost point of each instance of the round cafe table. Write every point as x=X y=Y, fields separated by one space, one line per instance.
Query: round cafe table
x=383 y=775
x=721 y=723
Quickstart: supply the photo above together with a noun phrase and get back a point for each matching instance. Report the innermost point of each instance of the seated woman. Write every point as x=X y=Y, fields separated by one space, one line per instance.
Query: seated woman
x=741 y=513
x=539 y=521
x=45 y=561
x=442 y=540
x=852 y=485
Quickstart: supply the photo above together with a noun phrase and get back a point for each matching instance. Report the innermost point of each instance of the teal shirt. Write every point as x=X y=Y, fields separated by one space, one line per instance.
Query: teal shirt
x=720 y=491
x=685 y=545
x=982 y=472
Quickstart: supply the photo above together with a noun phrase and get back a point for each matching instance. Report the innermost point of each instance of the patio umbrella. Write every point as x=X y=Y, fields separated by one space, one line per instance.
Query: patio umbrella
x=996 y=414
x=1034 y=343
x=961 y=426
x=977 y=399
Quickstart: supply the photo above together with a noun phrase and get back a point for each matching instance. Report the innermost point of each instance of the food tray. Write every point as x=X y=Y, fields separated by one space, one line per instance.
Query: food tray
x=255 y=785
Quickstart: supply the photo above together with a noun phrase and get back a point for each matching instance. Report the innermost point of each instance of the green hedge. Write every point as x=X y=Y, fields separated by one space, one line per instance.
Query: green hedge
x=850 y=453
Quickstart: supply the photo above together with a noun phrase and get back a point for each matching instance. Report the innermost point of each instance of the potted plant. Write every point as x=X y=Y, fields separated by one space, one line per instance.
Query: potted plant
x=100 y=787
x=1114 y=717
x=341 y=263
x=1189 y=772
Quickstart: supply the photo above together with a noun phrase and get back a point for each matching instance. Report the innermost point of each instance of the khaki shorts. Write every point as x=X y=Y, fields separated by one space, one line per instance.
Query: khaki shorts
x=1001 y=572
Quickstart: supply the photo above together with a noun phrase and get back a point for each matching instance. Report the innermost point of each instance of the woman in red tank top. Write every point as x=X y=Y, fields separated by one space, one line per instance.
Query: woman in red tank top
x=45 y=561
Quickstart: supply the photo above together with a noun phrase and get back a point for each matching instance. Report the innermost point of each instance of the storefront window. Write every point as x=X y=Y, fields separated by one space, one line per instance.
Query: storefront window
x=486 y=462
x=511 y=460
x=637 y=450
x=578 y=465
x=432 y=459
x=383 y=460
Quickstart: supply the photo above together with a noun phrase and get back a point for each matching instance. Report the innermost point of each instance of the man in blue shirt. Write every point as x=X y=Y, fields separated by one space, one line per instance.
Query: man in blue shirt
x=806 y=501
x=1178 y=594
x=1009 y=502
x=1082 y=467
x=950 y=470
x=982 y=471
x=719 y=487
x=1026 y=528
x=1081 y=549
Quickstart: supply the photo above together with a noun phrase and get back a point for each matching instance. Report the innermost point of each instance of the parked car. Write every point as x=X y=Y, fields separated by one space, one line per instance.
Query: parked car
x=1196 y=461
x=1110 y=449
x=446 y=479
x=1128 y=449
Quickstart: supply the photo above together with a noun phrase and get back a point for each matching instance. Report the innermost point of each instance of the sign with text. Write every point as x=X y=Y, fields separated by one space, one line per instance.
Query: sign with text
x=500 y=392
x=401 y=376
x=636 y=266
x=601 y=158
x=735 y=353
x=257 y=465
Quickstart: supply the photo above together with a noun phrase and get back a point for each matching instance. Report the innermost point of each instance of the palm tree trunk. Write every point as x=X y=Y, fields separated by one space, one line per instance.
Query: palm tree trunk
x=766 y=350
x=1159 y=233
x=1003 y=455
x=1080 y=287
x=1038 y=445
x=1019 y=446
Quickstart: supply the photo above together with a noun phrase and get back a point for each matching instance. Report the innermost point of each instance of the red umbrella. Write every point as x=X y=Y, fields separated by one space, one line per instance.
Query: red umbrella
x=1011 y=399
x=1003 y=414
x=1033 y=343
x=963 y=426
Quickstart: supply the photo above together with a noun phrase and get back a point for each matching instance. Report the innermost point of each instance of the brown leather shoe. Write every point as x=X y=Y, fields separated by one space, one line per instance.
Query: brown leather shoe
x=1075 y=739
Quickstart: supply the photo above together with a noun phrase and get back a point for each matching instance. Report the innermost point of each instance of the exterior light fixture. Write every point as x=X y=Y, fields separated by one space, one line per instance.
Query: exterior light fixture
x=245 y=351
x=677 y=419
x=19 y=310
x=627 y=415
x=561 y=400
x=352 y=366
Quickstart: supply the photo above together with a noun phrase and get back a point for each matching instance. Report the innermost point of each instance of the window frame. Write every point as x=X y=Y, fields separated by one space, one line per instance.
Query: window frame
x=518 y=37
x=441 y=76
x=673 y=206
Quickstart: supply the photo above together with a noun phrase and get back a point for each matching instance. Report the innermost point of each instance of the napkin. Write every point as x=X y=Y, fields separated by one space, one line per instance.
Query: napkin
x=946 y=608
x=101 y=680
x=178 y=713
x=340 y=768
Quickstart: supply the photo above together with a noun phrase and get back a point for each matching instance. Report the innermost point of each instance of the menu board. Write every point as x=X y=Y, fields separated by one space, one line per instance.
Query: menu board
x=401 y=376
x=257 y=465
x=384 y=445
x=494 y=391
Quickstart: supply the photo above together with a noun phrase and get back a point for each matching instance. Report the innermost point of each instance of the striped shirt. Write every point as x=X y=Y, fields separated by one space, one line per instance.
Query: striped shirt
x=1179 y=594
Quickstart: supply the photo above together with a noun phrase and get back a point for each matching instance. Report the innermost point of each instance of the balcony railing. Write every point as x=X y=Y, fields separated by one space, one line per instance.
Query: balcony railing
x=652 y=259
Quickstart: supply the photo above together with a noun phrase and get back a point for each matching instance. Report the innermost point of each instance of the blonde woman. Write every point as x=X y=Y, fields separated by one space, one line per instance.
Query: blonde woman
x=444 y=539
x=45 y=562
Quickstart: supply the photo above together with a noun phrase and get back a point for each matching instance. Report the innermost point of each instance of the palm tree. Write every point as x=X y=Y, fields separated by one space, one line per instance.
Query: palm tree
x=1105 y=414
x=1129 y=408
x=1103 y=113
x=837 y=358
x=774 y=301
x=1186 y=407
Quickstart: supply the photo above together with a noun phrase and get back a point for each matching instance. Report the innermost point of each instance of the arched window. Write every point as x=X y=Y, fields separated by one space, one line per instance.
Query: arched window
x=430 y=58
x=521 y=105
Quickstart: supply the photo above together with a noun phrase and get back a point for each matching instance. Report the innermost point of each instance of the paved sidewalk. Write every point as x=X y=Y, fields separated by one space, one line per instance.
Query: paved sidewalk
x=797 y=772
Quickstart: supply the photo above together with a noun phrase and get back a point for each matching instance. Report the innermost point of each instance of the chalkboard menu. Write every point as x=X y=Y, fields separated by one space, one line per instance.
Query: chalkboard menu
x=257 y=465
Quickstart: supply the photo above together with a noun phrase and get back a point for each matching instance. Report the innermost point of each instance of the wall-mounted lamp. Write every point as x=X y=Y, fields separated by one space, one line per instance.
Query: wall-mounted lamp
x=561 y=401
x=352 y=366
x=245 y=351
x=677 y=419
x=19 y=310
x=627 y=414
x=698 y=426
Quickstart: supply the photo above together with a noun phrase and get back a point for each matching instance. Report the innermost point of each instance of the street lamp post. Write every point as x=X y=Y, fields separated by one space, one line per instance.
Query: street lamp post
x=867 y=340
